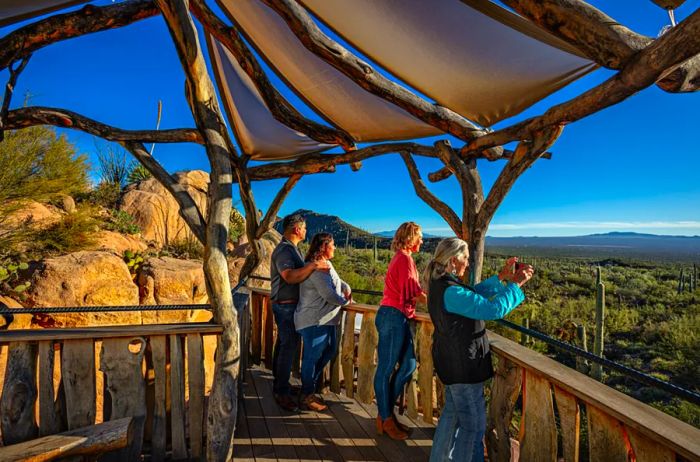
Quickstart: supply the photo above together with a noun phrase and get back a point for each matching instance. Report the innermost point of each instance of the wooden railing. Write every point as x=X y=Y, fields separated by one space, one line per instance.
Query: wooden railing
x=556 y=400
x=83 y=376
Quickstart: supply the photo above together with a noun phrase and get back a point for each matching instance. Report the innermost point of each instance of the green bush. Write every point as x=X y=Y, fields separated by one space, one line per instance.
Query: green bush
x=106 y=194
x=137 y=174
x=189 y=249
x=74 y=232
x=236 y=225
x=121 y=222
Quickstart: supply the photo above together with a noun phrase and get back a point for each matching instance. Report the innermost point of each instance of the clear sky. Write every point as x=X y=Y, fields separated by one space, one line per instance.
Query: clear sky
x=631 y=167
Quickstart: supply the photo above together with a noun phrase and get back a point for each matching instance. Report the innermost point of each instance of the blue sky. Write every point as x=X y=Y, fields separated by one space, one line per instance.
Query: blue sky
x=631 y=167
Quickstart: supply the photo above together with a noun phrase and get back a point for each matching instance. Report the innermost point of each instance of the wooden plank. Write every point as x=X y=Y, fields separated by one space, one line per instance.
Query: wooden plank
x=146 y=330
x=505 y=390
x=347 y=354
x=260 y=439
x=121 y=360
x=256 y=328
x=195 y=361
x=538 y=429
x=678 y=436
x=17 y=416
x=283 y=444
x=646 y=450
x=425 y=370
x=177 y=399
x=570 y=423
x=606 y=437
x=268 y=331
x=91 y=440
x=341 y=408
x=366 y=365
x=78 y=371
x=159 y=431
x=242 y=450
x=48 y=419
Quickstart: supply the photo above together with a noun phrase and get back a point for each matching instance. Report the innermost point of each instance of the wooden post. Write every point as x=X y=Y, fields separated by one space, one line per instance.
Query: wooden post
x=425 y=369
x=48 y=419
x=159 y=433
x=504 y=395
x=268 y=332
x=366 y=365
x=19 y=394
x=78 y=371
x=177 y=399
x=195 y=362
x=256 y=328
x=597 y=369
x=538 y=426
x=347 y=354
x=335 y=362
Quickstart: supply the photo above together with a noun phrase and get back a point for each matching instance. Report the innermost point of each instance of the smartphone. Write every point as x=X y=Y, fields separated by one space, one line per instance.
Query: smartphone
x=518 y=265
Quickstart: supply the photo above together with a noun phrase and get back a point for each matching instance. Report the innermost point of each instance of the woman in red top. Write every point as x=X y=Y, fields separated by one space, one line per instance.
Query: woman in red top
x=401 y=292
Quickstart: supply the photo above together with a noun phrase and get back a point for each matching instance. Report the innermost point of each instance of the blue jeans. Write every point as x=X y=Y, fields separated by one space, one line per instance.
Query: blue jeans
x=460 y=431
x=285 y=347
x=395 y=346
x=320 y=347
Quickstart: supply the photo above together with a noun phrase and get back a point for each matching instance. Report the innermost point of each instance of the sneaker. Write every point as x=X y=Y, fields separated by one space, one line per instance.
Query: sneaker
x=286 y=402
x=312 y=403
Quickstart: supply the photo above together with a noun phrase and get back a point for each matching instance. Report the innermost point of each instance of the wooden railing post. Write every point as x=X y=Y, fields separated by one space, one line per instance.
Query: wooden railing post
x=256 y=327
x=366 y=365
x=347 y=353
x=19 y=394
x=505 y=390
x=426 y=369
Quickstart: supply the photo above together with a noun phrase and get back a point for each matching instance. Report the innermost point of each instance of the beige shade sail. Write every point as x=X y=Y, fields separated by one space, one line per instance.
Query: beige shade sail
x=258 y=133
x=12 y=11
x=472 y=56
x=333 y=95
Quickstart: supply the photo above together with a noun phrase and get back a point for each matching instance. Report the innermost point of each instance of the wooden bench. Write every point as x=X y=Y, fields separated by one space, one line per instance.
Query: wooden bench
x=91 y=440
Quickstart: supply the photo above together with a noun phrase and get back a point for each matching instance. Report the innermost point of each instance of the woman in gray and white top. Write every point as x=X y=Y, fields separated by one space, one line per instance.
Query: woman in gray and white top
x=317 y=315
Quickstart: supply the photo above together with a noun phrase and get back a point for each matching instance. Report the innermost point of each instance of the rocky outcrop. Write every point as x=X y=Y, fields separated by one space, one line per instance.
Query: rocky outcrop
x=110 y=241
x=35 y=215
x=84 y=279
x=156 y=211
x=238 y=255
x=170 y=281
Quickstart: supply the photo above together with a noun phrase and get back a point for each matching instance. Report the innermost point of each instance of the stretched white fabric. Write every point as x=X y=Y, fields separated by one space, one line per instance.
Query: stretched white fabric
x=12 y=11
x=333 y=95
x=258 y=133
x=480 y=60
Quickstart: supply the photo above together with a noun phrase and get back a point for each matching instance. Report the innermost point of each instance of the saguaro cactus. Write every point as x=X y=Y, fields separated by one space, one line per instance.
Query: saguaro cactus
x=695 y=278
x=597 y=369
x=347 y=239
x=582 y=342
x=680 y=282
x=374 y=253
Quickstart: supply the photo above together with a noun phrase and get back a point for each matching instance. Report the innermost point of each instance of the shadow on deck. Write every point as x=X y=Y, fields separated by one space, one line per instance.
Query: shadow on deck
x=346 y=431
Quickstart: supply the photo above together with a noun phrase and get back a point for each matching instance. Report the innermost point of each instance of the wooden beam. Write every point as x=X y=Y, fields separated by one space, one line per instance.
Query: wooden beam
x=146 y=330
x=87 y=441
x=363 y=74
x=26 y=40
x=280 y=108
x=444 y=173
x=647 y=67
x=40 y=115
x=601 y=38
x=271 y=213
x=429 y=198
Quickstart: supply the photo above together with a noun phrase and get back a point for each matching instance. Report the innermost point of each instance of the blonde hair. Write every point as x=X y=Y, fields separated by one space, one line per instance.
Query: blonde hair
x=406 y=236
x=446 y=249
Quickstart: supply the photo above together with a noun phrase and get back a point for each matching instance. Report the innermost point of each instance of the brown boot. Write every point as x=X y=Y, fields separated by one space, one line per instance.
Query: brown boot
x=389 y=427
x=312 y=403
x=286 y=402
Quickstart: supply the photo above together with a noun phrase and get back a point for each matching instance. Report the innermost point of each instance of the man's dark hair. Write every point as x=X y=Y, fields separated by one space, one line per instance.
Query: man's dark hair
x=291 y=220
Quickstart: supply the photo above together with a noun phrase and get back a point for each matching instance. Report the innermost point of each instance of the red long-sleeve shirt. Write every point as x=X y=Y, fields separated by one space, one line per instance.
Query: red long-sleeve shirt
x=401 y=284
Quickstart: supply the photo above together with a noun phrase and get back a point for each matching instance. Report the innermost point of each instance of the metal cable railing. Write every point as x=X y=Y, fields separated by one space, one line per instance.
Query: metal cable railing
x=633 y=374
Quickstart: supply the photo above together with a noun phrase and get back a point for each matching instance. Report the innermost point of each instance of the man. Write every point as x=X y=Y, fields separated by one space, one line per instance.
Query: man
x=286 y=272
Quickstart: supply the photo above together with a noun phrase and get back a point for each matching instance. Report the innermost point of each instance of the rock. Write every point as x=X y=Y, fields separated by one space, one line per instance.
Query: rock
x=89 y=278
x=35 y=214
x=237 y=258
x=68 y=204
x=15 y=321
x=171 y=281
x=111 y=241
x=156 y=211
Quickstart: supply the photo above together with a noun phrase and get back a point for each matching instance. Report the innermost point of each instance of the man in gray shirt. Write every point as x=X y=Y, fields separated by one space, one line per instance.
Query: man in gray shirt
x=287 y=271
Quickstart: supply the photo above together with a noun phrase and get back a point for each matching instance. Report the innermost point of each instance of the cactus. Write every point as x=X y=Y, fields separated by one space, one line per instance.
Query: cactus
x=680 y=282
x=524 y=338
x=582 y=365
x=695 y=278
x=597 y=369
x=374 y=253
x=347 y=240
x=10 y=279
x=133 y=261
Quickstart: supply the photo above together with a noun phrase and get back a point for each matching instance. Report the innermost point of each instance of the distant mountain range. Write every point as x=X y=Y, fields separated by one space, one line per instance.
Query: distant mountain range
x=613 y=244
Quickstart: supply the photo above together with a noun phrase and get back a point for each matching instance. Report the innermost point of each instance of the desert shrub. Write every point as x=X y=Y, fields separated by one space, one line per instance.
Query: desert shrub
x=121 y=222
x=236 y=225
x=113 y=164
x=36 y=165
x=189 y=248
x=134 y=261
x=74 y=232
x=138 y=173
x=105 y=194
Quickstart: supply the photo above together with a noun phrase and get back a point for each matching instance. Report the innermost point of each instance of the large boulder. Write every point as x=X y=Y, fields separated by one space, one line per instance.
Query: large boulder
x=238 y=255
x=170 y=281
x=157 y=213
x=34 y=214
x=111 y=241
x=91 y=278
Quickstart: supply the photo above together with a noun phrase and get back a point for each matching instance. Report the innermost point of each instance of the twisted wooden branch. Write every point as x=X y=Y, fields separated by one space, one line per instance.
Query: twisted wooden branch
x=311 y=36
x=445 y=172
x=429 y=198
x=9 y=91
x=647 y=67
x=189 y=211
x=274 y=208
x=280 y=108
x=26 y=40
x=601 y=38
x=39 y=115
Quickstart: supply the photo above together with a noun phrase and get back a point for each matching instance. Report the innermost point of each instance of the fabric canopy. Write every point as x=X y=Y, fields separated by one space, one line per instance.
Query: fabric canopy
x=479 y=60
x=12 y=11
x=333 y=95
x=258 y=133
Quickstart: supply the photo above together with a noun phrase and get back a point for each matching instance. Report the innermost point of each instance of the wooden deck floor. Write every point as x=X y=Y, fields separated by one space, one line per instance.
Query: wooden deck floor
x=345 y=432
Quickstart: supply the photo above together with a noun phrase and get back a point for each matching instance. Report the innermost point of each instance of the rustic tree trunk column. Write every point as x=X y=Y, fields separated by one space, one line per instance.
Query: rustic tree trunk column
x=223 y=400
